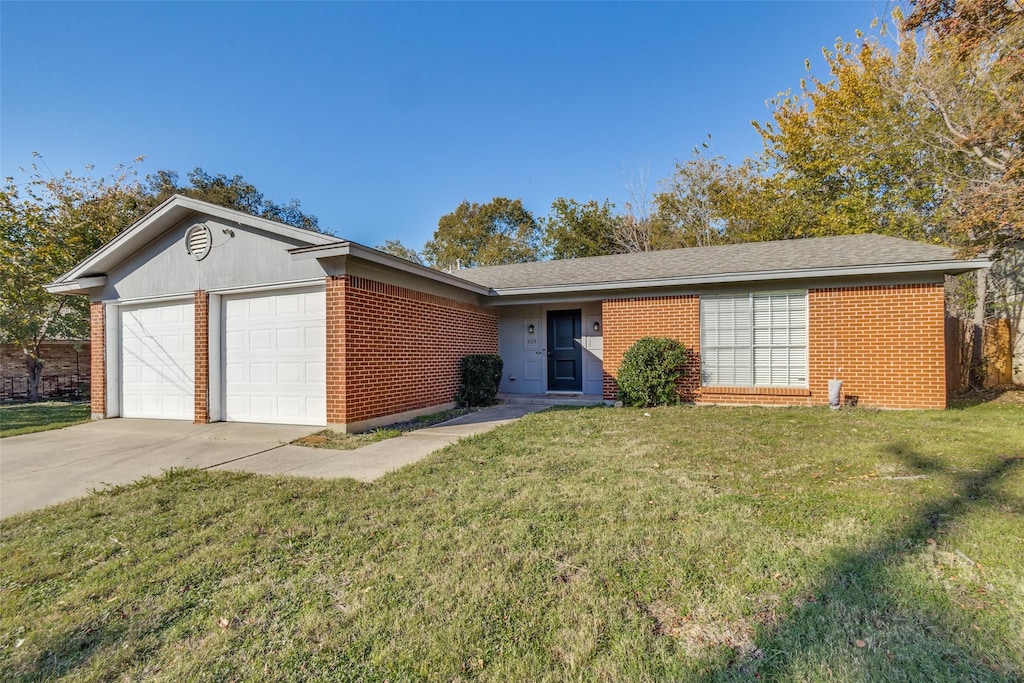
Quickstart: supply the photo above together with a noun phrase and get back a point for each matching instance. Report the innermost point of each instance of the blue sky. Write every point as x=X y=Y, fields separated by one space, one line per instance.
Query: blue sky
x=382 y=117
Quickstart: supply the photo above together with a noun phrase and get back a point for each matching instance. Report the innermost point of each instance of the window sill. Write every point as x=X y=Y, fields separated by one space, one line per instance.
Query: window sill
x=755 y=391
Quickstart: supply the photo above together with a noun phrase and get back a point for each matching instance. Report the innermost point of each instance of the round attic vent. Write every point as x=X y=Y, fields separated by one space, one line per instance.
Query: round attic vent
x=198 y=240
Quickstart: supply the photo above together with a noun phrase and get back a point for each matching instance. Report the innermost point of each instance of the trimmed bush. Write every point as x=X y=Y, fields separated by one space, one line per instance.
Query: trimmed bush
x=649 y=371
x=481 y=375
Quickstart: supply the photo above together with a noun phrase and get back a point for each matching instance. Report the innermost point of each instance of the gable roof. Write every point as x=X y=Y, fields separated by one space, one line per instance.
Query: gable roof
x=847 y=255
x=91 y=272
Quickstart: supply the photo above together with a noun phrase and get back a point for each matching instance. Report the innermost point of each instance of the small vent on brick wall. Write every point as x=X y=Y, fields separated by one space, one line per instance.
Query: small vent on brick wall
x=198 y=241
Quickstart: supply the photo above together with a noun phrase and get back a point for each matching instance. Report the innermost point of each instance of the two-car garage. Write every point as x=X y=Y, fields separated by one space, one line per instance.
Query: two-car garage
x=267 y=360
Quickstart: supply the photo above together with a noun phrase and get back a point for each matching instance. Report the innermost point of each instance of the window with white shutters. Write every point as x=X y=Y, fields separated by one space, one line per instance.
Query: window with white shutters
x=754 y=339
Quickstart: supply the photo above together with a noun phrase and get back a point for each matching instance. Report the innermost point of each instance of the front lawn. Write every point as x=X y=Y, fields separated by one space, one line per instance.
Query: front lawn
x=585 y=544
x=25 y=418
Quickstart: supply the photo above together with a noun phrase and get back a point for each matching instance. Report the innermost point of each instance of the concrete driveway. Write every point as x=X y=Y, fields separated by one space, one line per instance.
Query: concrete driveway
x=40 y=469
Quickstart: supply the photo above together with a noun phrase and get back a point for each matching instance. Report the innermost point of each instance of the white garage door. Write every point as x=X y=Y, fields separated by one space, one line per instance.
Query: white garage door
x=275 y=358
x=158 y=361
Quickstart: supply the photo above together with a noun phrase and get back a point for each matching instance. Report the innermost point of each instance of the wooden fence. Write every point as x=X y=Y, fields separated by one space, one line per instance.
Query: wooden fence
x=997 y=353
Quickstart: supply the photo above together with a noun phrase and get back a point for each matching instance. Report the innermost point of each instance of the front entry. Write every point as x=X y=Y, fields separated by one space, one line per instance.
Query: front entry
x=565 y=352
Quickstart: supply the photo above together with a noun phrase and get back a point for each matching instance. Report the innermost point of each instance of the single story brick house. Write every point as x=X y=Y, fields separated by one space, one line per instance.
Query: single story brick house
x=206 y=314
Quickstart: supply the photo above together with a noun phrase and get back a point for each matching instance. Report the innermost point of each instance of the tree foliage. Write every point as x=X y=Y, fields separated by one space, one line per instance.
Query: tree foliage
x=498 y=232
x=639 y=228
x=396 y=248
x=847 y=151
x=690 y=203
x=233 y=192
x=971 y=79
x=575 y=230
x=48 y=225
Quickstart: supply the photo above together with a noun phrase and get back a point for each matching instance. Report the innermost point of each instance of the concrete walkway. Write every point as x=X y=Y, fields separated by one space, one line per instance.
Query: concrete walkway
x=41 y=469
x=377 y=459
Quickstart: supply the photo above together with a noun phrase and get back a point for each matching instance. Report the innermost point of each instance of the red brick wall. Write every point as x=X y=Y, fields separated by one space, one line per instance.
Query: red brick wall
x=98 y=331
x=392 y=349
x=887 y=340
x=336 y=348
x=59 y=358
x=202 y=355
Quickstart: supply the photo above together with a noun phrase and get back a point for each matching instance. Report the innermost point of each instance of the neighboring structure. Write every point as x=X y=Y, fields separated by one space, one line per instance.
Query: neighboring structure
x=208 y=314
x=65 y=370
x=1006 y=291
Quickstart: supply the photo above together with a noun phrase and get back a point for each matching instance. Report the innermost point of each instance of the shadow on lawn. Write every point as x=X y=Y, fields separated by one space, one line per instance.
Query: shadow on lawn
x=892 y=641
x=1008 y=395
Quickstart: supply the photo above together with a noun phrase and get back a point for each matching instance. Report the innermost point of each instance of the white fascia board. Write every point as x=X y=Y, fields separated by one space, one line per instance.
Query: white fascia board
x=282 y=229
x=319 y=251
x=79 y=286
x=951 y=267
x=347 y=248
x=171 y=211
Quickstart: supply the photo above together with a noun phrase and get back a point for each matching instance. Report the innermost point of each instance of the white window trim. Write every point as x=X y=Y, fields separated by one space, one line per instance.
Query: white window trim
x=752 y=346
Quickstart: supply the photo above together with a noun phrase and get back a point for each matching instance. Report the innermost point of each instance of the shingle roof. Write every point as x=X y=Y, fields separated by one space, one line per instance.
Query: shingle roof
x=847 y=251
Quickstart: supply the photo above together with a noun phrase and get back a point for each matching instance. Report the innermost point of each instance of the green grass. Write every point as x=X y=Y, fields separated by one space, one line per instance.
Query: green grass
x=25 y=418
x=584 y=544
x=328 y=438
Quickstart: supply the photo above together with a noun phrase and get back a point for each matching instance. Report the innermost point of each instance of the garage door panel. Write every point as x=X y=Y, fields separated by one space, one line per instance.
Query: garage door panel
x=260 y=373
x=314 y=338
x=170 y=344
x=289 y=303
x=316 y=372
x=158 y=361
x=289 y=338
x=260 y=340
x=275 y=358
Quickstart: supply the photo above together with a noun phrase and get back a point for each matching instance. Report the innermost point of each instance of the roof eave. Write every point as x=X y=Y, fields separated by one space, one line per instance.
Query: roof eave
x=80 y=286
x=348 y=248
x=178 y=207
x=947 y=267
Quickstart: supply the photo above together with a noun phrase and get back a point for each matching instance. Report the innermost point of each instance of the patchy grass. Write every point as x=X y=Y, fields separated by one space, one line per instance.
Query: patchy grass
x=582 y=544
x=328 y=438
x=25 y=418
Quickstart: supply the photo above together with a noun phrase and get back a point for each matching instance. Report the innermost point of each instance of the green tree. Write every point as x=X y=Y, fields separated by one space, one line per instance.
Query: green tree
x=913 y=135
x=844 y=155
x=639 y=228
x=396 y=248
x=48 y=225
x=233 y=192
x=575 y=230
x=498 y=232
x=691 y=201
x=971 y=79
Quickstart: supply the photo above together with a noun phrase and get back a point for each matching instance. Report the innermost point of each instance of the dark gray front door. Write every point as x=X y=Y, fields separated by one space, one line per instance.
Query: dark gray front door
x=565 y=354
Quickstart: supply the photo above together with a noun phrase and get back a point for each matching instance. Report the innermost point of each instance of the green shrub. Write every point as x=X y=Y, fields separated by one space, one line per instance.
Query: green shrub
x=481 y=375
x=649 y=371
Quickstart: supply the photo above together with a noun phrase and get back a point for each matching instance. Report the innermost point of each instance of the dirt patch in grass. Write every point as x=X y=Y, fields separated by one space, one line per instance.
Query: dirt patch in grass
x=1006 y=396
x=701 y=630
x=329 y=438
